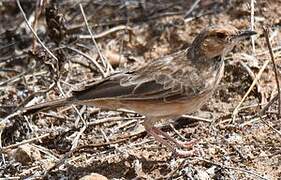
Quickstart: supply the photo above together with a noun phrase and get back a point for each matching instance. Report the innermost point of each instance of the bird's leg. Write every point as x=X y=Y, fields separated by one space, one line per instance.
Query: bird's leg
x=158 y=135
x=179 y=144
x=159 y=138
x=154 y=132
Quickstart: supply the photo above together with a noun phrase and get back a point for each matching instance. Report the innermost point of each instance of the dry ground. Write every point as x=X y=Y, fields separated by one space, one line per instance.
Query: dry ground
x=114 y=144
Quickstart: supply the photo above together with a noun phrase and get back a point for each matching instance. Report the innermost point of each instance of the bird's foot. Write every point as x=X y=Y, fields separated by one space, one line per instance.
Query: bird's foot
x=179 y=144
x=183 y=153
x=185 y=144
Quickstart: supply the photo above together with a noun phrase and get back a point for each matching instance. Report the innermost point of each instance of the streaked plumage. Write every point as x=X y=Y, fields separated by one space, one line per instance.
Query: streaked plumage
x=165 y=88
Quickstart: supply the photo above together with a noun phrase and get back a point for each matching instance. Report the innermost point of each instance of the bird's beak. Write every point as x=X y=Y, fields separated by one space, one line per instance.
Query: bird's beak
x=244 y=34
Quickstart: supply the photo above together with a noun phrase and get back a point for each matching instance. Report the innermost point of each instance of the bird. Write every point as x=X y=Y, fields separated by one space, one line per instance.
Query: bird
x=165 y=88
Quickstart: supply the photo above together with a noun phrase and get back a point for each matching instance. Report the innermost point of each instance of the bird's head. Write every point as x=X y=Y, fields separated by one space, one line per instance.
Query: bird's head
x=218 y=40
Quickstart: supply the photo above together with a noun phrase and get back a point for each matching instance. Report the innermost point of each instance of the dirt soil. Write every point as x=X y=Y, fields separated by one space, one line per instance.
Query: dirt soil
x=74 y=141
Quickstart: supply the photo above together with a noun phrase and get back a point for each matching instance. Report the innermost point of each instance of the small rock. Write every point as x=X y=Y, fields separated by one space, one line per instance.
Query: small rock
x=26 y=154
x=202 y=175
x=93 y=176
x=212 y=171
x=114 y=58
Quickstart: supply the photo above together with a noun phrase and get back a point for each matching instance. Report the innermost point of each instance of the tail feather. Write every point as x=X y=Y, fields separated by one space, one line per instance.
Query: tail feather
x=47 y=105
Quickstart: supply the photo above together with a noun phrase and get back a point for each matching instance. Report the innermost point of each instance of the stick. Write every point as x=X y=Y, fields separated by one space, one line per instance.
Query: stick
x=266 y=32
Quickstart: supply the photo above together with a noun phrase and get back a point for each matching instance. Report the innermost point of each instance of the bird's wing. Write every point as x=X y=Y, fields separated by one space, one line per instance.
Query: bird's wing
x=171 y=77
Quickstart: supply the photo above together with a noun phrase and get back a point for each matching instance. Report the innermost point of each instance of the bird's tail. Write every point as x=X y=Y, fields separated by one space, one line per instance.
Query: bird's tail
x=47 y=105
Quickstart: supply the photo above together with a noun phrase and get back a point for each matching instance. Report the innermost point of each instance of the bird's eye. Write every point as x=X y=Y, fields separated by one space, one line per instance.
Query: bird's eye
x=221 y=35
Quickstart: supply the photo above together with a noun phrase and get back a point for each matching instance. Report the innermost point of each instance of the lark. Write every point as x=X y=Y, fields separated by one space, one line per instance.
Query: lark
x=165 y=88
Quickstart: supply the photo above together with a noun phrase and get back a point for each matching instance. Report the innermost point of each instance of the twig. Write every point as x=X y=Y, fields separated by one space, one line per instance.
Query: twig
x=38 y=11
x=81 y=111
x=68 y=154
x=73 y=106
x=253 y=24
x=11 y=178
x=106 y=64
x=266 y=32
x=104 y=135
x=5 y=121
x=177 y=132
x=2 y=126
x=24 y=142
x=124 y=125
x=252 y=75
x=34 y=33
x=15 y=78
x=91 y=59
x=197 y=118
x=137 y=19
x=236 y=110
x=104 y=33
x=46 y=151
x=191 y=8
x=58 y=163
x=76 y=139
x=262 y=112
x=249 y=122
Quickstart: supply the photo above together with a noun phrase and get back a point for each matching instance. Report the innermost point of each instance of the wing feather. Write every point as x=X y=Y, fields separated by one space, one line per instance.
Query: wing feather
x=166 y=78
